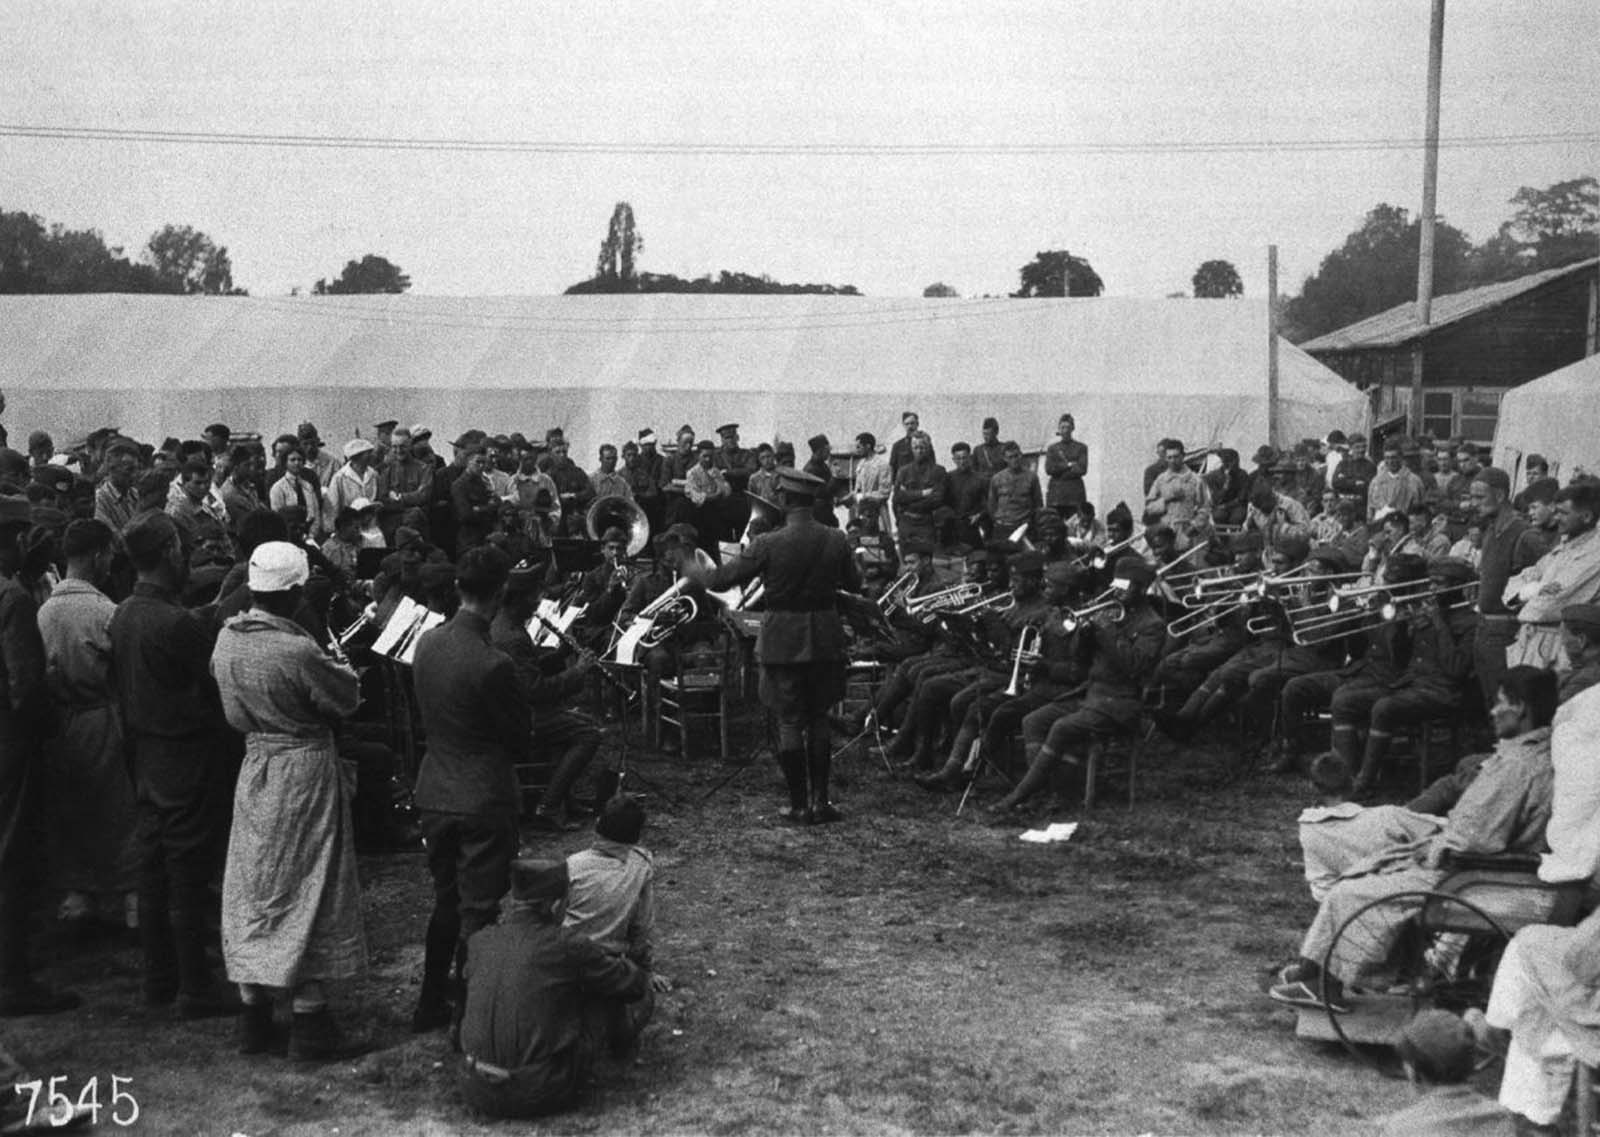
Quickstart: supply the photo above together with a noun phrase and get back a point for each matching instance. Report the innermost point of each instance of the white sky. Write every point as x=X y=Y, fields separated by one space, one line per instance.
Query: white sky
x=781 y=72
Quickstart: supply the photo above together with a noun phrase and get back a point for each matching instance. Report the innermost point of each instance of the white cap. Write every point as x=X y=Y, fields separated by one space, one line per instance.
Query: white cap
x=357 y=446
x=277 y=566
x=362 y=504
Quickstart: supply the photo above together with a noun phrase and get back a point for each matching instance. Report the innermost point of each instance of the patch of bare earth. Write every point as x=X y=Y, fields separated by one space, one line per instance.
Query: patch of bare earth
x=903 y=972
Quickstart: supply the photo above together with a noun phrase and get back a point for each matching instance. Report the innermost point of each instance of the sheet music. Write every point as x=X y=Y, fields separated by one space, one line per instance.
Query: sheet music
x=405 y=615
x=429 y=621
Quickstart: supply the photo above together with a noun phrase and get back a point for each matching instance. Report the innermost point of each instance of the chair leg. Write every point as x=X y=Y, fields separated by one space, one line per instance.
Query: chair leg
x=1584 y=1102
x=1091 y=768
x=722 y=723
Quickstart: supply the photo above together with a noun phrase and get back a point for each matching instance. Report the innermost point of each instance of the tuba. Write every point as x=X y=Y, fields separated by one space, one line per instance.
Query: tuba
x=616 y=511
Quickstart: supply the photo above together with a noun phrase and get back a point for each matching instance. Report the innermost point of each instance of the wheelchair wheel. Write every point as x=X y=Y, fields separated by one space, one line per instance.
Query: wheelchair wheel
x=1444 y=957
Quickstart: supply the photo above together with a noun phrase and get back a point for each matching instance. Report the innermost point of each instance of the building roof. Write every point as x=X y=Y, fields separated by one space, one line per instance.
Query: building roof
x=1399 y=325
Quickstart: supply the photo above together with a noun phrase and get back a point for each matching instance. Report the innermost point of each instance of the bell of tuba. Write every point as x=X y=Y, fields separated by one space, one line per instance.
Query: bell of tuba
x=617 y=512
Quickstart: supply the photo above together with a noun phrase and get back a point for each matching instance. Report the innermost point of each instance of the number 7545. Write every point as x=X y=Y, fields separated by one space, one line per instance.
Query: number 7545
x=123 y=1108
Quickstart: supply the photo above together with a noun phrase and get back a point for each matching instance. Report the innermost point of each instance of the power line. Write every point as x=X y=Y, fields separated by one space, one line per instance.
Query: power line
x=776 y=149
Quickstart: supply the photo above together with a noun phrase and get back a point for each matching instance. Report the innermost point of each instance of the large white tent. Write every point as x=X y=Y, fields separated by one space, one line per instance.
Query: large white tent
x=1130 y=371
x=1556 y=415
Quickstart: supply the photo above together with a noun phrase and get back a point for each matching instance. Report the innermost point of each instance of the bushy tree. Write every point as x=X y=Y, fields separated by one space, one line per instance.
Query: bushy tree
x=1217 y=280
x=187 y=261
x=36 y=258
x=942 y=291
x=1057 y=272
x=371 y=274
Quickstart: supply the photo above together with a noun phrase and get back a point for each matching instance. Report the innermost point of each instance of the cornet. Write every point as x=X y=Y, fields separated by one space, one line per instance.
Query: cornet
x=945 y=599
x=1029 y=638
x=999 y=602
x=1106 y=602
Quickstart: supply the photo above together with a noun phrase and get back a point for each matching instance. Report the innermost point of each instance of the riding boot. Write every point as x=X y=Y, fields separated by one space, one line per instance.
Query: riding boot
x=793 y=764
x=821 y=768
x=438 y=953
x=1036 y=779
x=1371 y=760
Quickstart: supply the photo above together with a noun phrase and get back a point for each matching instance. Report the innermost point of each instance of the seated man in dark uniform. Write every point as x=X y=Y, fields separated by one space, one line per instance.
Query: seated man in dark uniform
x=529 y=982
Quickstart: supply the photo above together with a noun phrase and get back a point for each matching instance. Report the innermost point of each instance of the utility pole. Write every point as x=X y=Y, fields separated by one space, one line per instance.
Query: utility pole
x=1430 y=193
x=1272 y=345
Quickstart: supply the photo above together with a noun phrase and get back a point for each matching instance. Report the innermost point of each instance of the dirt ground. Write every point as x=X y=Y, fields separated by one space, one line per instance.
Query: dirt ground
x=903 y=972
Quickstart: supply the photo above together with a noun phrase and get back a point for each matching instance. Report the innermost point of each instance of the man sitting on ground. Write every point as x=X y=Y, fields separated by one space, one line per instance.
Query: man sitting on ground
x=1505 y=809
x=527 y=1042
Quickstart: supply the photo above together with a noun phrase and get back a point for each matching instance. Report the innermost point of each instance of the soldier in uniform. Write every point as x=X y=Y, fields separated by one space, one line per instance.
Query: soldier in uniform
x=801 y=646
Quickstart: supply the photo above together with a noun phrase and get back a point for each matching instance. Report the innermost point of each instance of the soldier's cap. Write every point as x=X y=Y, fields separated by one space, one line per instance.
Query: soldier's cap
x=468 y=438
x=705 y=444
x=818 y=441
x=1330 y=555
x=219 y=429
x=907 y=416
x=277 y=566
x=1452 y=570
x=15 y=510
x=1583 y=618
x=420 y=432
x=1494 y=477
x=647 y=437
x=622 y=820
x=533 y=879
x=1026 y=564
x=357 y=446
x=526 y=576
x=728 y=428
x=386 y=424
x=1393 y=445
x=1134 y=570
x=799 y=482
x=58 y=478
x=918 y=547
x=1265 y=456
x=665 y=541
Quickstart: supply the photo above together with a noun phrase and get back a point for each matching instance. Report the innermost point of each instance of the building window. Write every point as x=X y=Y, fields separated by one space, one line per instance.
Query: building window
x=1466 y=411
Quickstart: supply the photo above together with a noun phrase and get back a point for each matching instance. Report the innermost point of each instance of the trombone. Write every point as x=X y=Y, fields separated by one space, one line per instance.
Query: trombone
x=895 y=596
x=1204 y=615
x=1029 y=640
x=1235 y=586
x=1100 y=558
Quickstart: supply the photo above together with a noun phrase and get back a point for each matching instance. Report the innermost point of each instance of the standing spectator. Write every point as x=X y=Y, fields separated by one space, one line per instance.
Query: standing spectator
x=1066 y=461
x=644 y=478
x=239 y=491
x=477 y=728
x=989 y=456
x=183 y=766
x=1505 y=550
x=1567 y=574
x=572 y=485
x=1014 y=495
x=966 y=497
x=24 y=718
x=872 y=485
x=321 y=464
x=114 y=501
x=1396 y=485
x=919 y=493
x=607 y=481
x=355 y=479
x=900 y=452
x=291 y=901
x=821 y=467
x=93 y=845
x=476 y=509
x=1354 y=476
x=1179 y=496
x=1229 y=487
x=764 y=482
x=298 y=487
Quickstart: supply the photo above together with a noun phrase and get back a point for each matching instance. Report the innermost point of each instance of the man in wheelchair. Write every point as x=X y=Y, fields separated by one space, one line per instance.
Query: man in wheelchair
x=1504 y=809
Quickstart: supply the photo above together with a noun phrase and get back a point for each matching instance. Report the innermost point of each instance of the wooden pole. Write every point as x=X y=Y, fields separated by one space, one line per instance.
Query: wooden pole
x=1430 y=192
x=1272 y=345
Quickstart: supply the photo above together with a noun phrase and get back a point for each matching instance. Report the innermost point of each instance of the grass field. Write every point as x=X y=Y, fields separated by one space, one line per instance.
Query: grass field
x=902 y=972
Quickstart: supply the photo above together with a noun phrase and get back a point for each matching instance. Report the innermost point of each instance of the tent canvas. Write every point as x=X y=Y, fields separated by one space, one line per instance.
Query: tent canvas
x=603 y=367
x=1555 y=415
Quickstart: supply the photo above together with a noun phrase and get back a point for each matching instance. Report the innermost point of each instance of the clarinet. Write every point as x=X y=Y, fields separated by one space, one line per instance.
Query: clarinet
x=625 y=690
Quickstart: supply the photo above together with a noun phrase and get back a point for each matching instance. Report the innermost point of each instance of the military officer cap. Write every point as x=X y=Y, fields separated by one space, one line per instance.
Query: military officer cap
x=705 y=444
x=533 y=879
x=728 y=428
x=1583 y=618
x=818 y=441
x=386 y=424
x=797 y=482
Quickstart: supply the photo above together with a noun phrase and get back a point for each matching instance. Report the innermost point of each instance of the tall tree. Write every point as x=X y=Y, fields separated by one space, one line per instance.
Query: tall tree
x=187 y=261
x=35 y=258
x=1058 y=273
x=1556 y=225
x=371 y=274
x=941 y=290
x=1375 y=269
x=623 y=243
x=1217 y=280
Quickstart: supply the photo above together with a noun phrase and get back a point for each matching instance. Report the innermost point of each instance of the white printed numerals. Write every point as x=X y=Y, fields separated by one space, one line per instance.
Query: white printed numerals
x=59 y=1108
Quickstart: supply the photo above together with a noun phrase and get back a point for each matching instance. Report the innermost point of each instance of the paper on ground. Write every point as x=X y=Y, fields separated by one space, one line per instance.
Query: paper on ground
x=1057 y=831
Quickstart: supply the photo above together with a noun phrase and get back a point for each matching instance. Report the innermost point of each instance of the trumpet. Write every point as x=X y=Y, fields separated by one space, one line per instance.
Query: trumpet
x=1029 y=638
x=945 y=599
x=368 y=617
x=895 y=596
x=1106 y=602
x=997 y=603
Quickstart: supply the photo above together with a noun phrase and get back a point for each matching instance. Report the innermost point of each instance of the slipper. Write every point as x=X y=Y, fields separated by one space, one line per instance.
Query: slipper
x=1302 y=994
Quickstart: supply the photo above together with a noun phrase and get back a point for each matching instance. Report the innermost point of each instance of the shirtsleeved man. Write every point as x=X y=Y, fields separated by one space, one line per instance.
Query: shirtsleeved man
x=801 y=646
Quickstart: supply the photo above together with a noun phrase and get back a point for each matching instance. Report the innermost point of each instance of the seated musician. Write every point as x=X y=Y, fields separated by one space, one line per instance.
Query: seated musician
x=548 y=679
x=911 y=636
x=1084 y=532
x=1122 y=649
x=1185 y=663
x=993 y=633
x=1258 y=663
x=1229 y=487
x=1504 y=809
x=603 y=588
x=995 y=716
x=1379 y=651
x=674 y=549
x=1442 y=632
x=946 y=653
x=1050 y=536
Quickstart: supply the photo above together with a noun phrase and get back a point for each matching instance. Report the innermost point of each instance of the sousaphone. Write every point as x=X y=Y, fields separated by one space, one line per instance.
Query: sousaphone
x=616 y=512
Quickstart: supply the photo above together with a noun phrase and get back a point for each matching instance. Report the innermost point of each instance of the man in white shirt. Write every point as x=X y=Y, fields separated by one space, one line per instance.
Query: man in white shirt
x=1568 y=574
